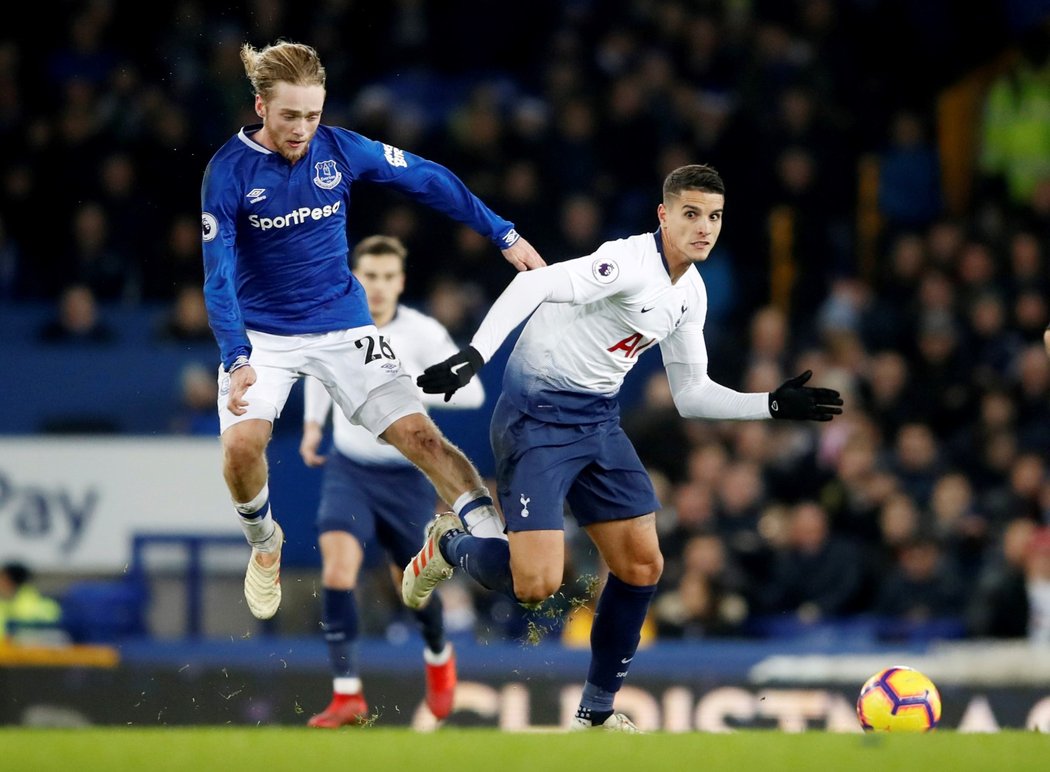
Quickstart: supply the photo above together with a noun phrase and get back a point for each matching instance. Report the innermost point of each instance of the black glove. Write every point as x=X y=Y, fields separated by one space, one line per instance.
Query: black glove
x=793 y=400
x=454 y=373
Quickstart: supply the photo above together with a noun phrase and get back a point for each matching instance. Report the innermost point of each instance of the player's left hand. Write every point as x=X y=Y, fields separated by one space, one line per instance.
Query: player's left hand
x=311 y=441
x=452 y=374
x=793 y=399
x=523 y=256
x=241 y=380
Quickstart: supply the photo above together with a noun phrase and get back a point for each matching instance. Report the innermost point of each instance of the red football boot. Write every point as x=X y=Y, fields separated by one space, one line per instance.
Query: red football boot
x=441 y=683
x=342 y=710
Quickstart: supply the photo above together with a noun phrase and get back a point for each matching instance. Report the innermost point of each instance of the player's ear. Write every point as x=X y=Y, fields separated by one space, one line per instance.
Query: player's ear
x=661 y=212
x=260 y=106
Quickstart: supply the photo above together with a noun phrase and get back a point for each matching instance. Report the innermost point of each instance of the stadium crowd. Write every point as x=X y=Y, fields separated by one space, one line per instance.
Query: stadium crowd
x=925 y=505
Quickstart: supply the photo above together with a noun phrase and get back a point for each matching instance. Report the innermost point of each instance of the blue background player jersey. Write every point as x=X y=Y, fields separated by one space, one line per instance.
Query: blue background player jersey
x=274 y=233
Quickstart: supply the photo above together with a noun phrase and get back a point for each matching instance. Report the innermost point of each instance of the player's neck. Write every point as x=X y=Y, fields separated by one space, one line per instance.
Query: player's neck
x=677 y=263
x=262 y=136
x=385 y=318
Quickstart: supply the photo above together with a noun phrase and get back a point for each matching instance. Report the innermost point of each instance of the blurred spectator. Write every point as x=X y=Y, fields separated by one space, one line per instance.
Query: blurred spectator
x=996 y=416
x=1037 y=583
x=959 y=526
x=26 y=614
x=909 y=175
x=819 y=575
x=1019 y=495
x=187 y=319
x=1015 y=128
x=657 y=430
x=885 y=392
x=999 y=608
x=916 y=461
x=581 y=226
x=1032 y=397
x=198 y=397
x=993 y=345
x=899 y=522
x=709 y=598
x=888 y=324
x=1027 y=264
x=847 y=496
x=456 y=305
x=175 y=262
x=941 y=389
x=740 y=494
x=127 y=209
x=89 y=256
x=10 y=264
x=1030 y=314
x=693 y=508
x=78 y=319
x=768 y=342
x=921 y=588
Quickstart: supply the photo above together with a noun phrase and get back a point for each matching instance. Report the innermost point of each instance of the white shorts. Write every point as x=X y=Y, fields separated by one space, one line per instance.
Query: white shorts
x=365 y=380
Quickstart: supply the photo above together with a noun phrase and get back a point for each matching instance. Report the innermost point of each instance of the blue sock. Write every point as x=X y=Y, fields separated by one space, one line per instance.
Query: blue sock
x=432 y=624
x=339 y=622
x=486 y=560
x=615 y=634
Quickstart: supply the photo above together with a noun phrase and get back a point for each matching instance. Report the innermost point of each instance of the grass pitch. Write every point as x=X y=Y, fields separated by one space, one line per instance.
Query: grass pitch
x=270 y=749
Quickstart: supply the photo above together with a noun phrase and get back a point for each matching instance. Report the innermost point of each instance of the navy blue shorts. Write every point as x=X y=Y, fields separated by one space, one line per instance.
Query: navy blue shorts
x=542 y=466
x=380 y=505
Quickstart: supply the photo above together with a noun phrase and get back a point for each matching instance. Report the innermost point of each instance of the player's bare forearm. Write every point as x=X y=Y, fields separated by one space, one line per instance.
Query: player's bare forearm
x=1046 y=341
x=523 y=256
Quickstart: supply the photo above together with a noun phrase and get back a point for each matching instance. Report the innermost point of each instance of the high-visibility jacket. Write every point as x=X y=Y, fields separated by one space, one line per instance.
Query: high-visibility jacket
x=28 y=608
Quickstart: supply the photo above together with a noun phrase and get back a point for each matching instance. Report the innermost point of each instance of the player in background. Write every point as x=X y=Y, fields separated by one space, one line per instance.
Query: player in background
x=372 y=494
x=556 y=429
x=283 y=303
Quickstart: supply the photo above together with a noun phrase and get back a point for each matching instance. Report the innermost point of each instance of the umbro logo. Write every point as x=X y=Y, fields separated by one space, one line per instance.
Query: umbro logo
x=255 y=195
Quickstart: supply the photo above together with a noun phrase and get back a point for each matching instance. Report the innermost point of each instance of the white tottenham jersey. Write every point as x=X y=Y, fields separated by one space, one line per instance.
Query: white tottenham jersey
x=594 y=316
x=418 y=341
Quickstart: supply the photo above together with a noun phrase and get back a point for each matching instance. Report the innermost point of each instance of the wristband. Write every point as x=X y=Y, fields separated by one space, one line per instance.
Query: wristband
x=238 y=363
x=509 y=239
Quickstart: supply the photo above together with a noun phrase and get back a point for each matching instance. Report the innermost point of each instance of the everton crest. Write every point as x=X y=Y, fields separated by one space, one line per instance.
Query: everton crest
x=326 y=175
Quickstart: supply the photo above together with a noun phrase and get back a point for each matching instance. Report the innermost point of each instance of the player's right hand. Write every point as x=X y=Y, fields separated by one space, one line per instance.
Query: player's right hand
x=523 y=256
x=241 y=380
x=311 y=441
x=452 y=374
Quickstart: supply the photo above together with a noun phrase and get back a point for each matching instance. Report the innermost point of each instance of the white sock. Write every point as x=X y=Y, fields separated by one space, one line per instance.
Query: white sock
x=485 y=523
x=437 y=659
x=481 y=521
x=348 y=685
x=259 y=530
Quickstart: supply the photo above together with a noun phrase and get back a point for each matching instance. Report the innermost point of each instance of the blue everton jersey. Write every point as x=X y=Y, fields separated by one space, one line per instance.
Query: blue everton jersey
x=274 y=233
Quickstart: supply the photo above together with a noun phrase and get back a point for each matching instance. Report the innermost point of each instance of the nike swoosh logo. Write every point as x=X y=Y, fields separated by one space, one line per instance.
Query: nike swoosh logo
x=625 y=661
x=647 y=310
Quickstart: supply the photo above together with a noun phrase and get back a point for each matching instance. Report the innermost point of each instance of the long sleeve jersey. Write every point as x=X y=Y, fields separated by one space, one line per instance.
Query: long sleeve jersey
x=591 y=318
x=274 y=233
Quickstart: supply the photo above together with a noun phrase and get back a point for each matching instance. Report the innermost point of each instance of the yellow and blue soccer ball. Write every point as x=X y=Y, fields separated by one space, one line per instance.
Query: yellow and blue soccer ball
x=899 y=699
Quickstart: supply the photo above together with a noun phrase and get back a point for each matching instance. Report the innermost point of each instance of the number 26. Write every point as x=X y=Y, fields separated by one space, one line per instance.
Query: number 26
x=371 y=354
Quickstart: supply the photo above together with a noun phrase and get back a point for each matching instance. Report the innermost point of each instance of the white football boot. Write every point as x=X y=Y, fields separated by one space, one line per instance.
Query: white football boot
x=262 y=586
x=429 y=567
x=617 y=722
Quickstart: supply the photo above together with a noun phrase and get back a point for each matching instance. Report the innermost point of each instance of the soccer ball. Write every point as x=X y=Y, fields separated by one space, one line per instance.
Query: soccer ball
x=899 y=699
